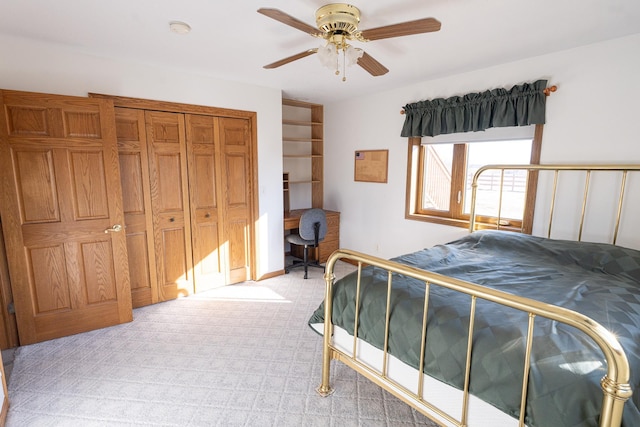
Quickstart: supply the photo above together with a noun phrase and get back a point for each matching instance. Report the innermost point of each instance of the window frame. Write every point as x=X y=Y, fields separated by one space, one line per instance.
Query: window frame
x=455 y=215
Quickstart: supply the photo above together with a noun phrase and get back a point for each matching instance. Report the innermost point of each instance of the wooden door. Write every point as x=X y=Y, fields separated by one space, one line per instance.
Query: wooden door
x=136 y=200
x=237 y=187
x=170 y=203
x=61 y=215
x=8 y=326
x=204 y=175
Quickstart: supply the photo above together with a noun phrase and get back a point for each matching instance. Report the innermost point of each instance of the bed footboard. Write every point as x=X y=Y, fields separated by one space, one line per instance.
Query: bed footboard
x=615 y=384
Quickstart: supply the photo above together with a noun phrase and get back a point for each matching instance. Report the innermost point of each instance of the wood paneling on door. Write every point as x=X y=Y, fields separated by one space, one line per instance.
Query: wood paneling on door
x=204 y=176
x=136 y=197
x=61 y=212
x=170 y=203
x=8 y=326
x=237 y=187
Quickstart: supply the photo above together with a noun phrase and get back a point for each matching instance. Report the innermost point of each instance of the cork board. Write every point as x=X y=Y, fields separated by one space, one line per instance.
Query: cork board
x=371 y=165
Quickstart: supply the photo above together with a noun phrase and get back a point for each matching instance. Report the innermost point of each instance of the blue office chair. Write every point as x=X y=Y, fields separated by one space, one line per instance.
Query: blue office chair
x=311 y=231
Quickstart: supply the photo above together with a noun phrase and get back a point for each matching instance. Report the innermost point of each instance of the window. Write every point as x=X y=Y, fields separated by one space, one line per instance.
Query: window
x=440 y=176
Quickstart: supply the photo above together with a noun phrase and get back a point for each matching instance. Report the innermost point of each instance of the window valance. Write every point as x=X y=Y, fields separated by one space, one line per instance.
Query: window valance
x=521 y=105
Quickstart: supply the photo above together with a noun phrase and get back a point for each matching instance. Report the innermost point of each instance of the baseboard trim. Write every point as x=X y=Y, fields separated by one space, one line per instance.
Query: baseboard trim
x=270 y=275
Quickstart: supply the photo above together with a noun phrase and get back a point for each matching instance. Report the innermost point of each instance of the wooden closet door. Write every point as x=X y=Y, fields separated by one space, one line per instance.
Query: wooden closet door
x=8 y=325
x=61 y=215
x=170 y=203
x=204 y=178
x=136 y=200
x=237 y=187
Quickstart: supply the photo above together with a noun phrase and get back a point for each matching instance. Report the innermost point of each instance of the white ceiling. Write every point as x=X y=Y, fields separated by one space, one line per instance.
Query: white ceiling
x=231 y=41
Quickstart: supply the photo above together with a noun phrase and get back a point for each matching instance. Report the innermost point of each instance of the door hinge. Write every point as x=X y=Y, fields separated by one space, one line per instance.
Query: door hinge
x=11 y=308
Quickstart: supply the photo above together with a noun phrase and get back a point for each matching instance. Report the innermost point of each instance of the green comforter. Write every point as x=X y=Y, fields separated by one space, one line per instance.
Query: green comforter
x=598 y=280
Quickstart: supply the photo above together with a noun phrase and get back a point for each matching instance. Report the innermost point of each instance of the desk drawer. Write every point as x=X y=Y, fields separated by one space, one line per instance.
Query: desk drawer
x=291 y=223
x=331 y=240
x=333 y=227
x=327 y=248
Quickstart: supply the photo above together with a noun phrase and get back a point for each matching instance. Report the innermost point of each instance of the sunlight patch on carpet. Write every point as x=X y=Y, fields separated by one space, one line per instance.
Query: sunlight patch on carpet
x=242 y=293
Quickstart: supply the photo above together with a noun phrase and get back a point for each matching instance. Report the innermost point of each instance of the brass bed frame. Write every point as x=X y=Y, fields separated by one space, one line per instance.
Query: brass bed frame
x=615 y=384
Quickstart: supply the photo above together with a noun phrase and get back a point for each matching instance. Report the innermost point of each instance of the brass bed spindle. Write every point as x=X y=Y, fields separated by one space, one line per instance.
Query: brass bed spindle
x=500 y=199
x=553 y=201
x=423 y=343
x=467 y=368
x=527 y=367
x=620 y=202
x=385 y=350
x=357 y=311
x=526 y=202
x=584 y=204
x=474 y=195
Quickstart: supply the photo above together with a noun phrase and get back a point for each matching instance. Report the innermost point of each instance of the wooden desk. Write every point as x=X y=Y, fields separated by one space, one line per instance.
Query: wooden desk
x=331 y=241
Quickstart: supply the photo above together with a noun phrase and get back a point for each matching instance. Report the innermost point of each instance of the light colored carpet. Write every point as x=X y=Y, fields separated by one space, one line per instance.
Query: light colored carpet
x=242 y=355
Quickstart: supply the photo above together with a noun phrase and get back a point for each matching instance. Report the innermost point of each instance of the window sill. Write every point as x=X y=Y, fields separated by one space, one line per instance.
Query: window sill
x=461 y=223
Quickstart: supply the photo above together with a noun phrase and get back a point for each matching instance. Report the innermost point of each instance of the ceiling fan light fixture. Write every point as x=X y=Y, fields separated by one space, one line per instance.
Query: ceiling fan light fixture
x=351 y=55
x=328 y=55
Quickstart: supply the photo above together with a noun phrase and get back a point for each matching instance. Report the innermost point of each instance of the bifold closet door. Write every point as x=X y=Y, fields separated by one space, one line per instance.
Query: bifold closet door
x=136 y=201
x=188 y=197
x=62 y=216
x=209 y=250
x=169 y=182
x=238 y=187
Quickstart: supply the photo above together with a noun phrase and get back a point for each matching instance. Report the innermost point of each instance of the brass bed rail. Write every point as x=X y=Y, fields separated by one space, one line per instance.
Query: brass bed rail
x=588 y=170
x=615 y=384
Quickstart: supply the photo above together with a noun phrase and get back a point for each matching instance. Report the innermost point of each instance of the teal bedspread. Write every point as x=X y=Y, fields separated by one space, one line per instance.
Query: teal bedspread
x=599 y=280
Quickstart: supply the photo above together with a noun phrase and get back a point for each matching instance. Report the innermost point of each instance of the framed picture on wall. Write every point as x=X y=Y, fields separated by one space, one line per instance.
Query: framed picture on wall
x=371 y=165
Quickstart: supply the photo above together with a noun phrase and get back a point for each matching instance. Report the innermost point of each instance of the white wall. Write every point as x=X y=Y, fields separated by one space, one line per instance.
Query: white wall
x=39 y=67
x=591 y=118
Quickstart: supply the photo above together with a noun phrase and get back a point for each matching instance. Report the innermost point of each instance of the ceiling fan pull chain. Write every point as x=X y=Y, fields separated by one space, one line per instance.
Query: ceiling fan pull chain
x=344 y=65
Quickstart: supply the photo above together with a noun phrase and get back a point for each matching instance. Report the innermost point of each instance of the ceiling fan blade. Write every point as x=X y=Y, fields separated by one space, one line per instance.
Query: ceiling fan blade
x=291 y=59
x=372 y=66
x=289 y=20
x=419 y=26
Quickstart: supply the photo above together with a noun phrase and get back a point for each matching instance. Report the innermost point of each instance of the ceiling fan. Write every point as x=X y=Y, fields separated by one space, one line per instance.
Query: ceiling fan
x=337 y=23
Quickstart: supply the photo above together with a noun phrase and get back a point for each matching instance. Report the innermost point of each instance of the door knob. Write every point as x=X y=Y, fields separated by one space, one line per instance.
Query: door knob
x=114 y=229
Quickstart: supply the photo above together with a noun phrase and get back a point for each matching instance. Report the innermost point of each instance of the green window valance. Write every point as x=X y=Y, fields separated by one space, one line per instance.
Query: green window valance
x=521 y=105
